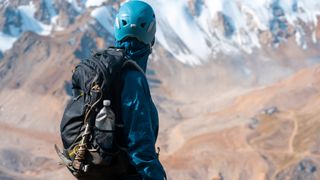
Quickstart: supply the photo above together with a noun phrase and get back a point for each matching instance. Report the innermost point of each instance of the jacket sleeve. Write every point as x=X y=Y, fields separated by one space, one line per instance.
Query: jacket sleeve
x=139 y=126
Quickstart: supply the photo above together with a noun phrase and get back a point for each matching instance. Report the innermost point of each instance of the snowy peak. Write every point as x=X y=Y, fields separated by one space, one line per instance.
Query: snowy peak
x=196 y=30
x=45 y=17
x=193 y=31
x=23 y=18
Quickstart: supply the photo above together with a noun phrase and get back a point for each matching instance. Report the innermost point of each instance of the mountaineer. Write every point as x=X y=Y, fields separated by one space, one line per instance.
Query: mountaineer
x=110 y=127
x=135 y=32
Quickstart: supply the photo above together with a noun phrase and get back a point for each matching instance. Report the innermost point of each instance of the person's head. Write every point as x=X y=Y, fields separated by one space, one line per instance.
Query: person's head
x=135 y=19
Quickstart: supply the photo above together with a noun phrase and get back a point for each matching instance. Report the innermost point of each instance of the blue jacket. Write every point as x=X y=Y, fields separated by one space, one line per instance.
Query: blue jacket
x=140 y=118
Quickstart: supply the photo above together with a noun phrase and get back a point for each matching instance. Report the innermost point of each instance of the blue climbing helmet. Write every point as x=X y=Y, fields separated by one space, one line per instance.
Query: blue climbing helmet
x=135 y=19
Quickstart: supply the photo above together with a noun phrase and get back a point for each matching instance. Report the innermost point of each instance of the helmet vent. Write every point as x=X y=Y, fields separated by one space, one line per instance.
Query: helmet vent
x=143 y=25
x=150 y=26
x=124 y=22
x=117 y=23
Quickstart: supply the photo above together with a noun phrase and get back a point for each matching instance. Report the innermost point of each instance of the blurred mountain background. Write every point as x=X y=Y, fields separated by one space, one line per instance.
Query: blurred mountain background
x=236 y=83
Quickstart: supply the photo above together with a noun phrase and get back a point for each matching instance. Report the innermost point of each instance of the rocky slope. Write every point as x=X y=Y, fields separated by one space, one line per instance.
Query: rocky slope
x=267 y=133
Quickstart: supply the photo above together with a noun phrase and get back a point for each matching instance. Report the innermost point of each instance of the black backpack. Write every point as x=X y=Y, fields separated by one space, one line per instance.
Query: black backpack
x=91 y=152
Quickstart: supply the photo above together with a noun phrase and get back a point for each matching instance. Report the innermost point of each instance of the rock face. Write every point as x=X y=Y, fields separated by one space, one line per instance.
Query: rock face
x=305 y=169
x=214 y=67
x=270 y=111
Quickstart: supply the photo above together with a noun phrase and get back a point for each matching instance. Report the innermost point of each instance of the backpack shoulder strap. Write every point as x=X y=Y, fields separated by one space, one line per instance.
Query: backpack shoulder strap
x=130 y=64
x=125 y=62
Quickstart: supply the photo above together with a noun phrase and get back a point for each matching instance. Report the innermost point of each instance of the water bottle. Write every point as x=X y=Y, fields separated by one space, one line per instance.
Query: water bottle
x=105 y=126
x=105 y=119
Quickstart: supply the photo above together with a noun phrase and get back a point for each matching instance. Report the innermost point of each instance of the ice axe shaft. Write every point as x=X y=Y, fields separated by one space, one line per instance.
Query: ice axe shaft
x=80 y=154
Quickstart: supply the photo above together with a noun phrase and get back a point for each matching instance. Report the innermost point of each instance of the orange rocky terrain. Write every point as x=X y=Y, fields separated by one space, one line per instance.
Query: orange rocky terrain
x=222 y=132
x=215 y=122
x=267 y=133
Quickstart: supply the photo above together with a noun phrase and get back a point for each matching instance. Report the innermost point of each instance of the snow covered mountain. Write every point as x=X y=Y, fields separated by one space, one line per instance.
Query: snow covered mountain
x=193 y=31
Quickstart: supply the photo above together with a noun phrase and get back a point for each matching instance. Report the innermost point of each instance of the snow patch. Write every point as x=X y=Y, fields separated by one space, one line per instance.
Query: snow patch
x=6 y=41
x=51 y=10
x=300 y=38
x=14 y=31
x=55 y=25
x=4 y=3
x=104 y=16
x=314 y=37
x=75 y=5
x=190 y=44
x=92 y=3
x=29 y=23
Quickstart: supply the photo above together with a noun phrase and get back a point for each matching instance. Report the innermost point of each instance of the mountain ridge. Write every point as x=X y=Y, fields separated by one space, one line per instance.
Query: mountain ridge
x=207 y=28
